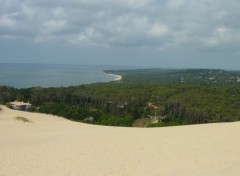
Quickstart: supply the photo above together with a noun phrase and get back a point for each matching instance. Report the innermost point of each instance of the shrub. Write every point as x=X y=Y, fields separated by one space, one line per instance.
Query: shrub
x=23 y=119
x=110 y=120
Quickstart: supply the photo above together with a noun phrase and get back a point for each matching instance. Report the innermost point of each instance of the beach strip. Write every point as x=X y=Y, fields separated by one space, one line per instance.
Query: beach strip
x=117 y=77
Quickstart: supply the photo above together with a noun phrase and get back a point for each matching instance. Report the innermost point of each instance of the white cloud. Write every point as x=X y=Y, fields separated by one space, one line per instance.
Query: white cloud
x=158 y=30
x=218 y=35
x=87 y=37
x=59 y=12
x=6 y=21
x=223 y=37
x=52 y=26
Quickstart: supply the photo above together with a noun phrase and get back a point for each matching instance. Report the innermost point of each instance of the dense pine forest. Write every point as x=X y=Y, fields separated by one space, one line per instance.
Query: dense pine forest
x=150 y=97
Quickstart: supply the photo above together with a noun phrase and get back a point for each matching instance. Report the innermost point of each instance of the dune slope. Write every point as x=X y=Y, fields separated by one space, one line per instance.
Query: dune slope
x=50 y=145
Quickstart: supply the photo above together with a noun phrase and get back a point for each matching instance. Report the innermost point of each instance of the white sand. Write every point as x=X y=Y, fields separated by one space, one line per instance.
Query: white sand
x=117 y=77
x=52 y=146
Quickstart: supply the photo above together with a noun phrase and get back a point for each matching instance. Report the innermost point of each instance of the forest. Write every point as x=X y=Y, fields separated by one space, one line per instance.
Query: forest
x=142 y=96
x=180 y=76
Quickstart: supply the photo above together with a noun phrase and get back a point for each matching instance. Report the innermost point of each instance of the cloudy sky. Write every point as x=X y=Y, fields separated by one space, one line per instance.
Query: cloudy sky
x=155 y=33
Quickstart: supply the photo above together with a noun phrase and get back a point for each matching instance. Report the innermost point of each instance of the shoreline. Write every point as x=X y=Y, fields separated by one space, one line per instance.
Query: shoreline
x=117 y=77
x=51 y=75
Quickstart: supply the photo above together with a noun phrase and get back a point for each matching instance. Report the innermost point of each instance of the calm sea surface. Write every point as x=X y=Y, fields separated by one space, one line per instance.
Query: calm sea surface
x=44 y=75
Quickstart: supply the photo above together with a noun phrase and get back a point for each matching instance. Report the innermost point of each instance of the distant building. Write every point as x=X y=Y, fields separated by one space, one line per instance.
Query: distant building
x=20 y=105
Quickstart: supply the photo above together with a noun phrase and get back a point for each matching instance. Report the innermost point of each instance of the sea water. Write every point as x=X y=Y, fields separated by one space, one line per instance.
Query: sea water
x=48 y=75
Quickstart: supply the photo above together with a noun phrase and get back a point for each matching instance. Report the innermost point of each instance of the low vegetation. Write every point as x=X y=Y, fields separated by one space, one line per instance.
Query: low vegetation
x=142 y=122
x=23 y=119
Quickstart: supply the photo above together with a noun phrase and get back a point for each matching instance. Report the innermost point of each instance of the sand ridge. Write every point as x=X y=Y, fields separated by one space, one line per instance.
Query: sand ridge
x=52 y=145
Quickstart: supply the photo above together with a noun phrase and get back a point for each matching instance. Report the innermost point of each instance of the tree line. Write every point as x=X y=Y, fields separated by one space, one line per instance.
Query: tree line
x=119 y=104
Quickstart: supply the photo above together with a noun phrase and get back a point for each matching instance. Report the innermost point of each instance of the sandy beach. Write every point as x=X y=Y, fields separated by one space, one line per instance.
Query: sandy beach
x=117 y=77
x=50 y=145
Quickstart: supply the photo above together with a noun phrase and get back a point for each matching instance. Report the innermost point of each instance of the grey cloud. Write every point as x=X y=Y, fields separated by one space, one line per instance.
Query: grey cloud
x=195 y=24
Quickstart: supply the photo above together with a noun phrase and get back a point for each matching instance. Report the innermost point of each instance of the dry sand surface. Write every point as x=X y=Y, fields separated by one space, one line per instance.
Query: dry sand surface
x=51 y=145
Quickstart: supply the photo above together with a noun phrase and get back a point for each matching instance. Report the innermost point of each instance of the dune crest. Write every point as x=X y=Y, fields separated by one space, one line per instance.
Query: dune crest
x=52 y=145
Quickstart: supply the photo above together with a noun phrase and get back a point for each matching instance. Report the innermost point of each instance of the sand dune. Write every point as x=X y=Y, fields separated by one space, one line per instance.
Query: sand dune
x=51 y=145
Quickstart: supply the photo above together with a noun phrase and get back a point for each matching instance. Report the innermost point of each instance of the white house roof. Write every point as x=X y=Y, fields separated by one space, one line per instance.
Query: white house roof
x=19 y=103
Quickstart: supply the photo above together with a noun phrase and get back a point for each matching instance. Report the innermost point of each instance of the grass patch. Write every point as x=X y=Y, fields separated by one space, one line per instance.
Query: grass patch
x=143 y=122
x=23 y=119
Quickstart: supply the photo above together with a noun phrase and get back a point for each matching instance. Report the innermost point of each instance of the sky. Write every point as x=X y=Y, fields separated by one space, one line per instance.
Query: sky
x=153 y=33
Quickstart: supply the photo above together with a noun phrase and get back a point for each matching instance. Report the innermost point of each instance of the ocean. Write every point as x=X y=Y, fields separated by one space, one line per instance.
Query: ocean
x=48 y=75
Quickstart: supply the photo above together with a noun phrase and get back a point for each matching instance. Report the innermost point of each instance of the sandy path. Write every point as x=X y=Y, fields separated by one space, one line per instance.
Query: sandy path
x=54 y=146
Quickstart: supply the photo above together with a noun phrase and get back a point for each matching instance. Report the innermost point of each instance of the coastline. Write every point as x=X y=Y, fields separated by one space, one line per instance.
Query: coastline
x=117 y=77
x=49 y=75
